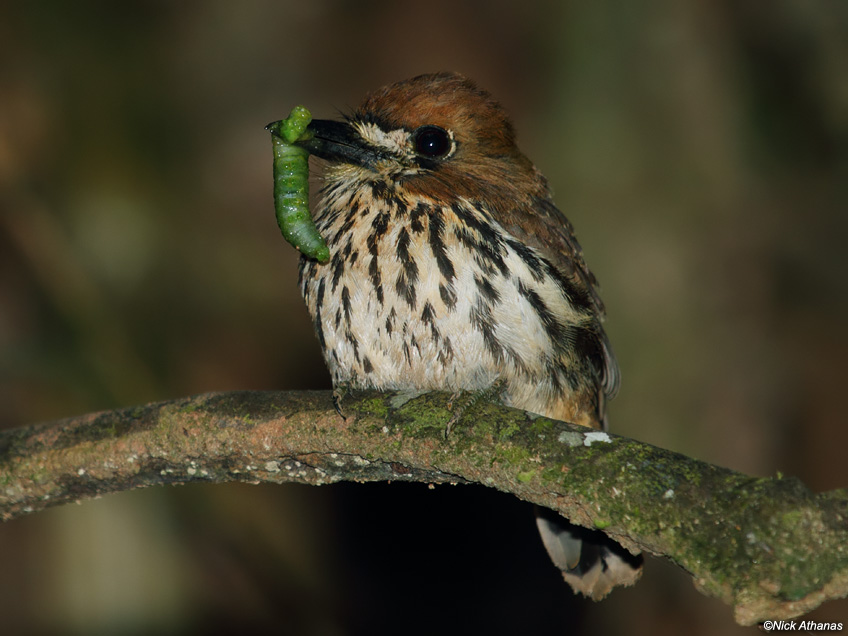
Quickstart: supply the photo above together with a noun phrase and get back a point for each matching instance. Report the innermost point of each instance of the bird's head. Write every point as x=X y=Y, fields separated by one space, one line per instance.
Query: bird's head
x=435 y=135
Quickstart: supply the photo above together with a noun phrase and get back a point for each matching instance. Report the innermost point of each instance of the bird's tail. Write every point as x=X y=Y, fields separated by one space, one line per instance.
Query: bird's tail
x=591 y=562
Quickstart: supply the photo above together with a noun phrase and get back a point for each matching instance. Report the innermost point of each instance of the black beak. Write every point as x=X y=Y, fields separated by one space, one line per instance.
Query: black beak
x=338 y=142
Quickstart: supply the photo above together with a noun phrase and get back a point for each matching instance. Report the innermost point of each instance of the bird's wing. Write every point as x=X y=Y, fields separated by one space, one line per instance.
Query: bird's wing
x=541 y=225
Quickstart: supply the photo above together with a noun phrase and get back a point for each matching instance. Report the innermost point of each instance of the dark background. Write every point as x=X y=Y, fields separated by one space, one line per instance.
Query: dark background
x=699 y=148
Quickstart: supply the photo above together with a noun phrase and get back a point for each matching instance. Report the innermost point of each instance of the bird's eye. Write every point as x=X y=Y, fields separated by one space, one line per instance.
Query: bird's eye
x=432 y=142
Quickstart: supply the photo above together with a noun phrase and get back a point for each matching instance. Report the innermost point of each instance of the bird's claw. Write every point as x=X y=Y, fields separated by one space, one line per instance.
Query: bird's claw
x=340 y=392
x=469 y=400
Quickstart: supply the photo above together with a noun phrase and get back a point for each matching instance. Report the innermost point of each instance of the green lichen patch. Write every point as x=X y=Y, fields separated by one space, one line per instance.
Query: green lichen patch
x=526 y=476
x=368 y=406
x=400 y=398
x=540 y=425
x=426 y=416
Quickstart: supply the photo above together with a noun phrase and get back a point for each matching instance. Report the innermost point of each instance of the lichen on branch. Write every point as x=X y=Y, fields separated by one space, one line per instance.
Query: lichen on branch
x=769 y=547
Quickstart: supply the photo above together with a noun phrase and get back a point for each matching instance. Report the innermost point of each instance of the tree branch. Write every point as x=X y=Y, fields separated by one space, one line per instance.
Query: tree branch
x=769 y=547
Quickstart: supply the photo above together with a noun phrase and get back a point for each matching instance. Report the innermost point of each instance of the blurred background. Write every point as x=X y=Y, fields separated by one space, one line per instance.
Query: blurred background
x=699 y=148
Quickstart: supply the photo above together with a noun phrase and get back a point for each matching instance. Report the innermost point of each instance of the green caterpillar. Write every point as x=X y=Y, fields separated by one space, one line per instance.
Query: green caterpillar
x=291 y=185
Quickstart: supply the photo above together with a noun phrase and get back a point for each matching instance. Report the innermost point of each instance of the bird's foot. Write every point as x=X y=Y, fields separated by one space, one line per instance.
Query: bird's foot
x=340 y=392
x=461 y=401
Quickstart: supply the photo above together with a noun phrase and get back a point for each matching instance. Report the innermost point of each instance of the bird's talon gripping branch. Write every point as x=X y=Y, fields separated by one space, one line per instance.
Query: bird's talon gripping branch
x=340 y=392
x=463 y=401
x=453 y=398
x=456 y=413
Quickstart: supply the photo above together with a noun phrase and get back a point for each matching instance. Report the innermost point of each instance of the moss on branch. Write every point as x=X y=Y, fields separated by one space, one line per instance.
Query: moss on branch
x=769 y=547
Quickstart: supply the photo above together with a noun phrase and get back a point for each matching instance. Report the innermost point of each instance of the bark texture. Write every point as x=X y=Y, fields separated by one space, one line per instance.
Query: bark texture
x=769 y=547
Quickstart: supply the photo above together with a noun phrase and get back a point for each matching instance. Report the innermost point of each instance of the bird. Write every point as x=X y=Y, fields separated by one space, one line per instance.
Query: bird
x=451 y=269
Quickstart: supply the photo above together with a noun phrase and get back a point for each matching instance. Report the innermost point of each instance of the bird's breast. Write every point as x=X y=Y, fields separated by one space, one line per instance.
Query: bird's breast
x=426 y=296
